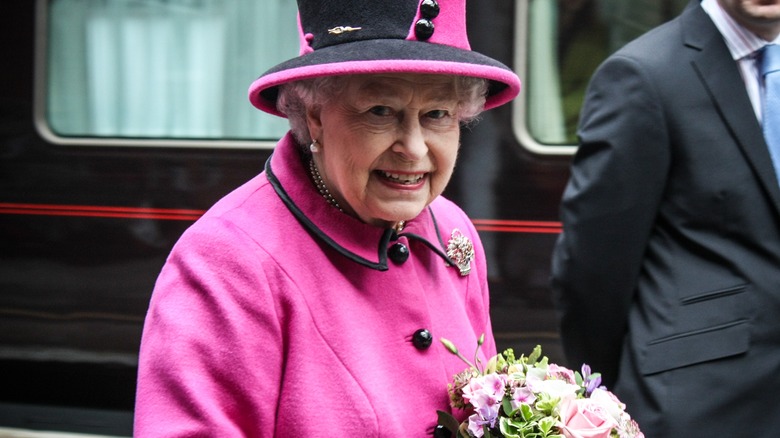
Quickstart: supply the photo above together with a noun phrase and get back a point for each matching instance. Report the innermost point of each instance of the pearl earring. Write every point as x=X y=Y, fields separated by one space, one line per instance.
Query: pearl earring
x=313 y=147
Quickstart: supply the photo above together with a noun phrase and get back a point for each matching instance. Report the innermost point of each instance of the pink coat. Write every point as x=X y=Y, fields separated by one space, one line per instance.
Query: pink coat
x=277 y=315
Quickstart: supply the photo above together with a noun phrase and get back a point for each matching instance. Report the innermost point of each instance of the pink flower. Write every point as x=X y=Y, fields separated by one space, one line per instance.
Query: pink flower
x=558 y=372
x=485 y=394
x=520 y=395
x=485 y=391
x=581 y=418
x=629 y=429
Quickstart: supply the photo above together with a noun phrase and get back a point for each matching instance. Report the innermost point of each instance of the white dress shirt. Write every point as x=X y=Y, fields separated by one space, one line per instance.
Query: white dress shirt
x=744 y=46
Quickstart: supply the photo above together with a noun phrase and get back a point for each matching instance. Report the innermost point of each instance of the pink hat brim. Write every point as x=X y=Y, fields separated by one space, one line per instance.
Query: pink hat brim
x=391 y=56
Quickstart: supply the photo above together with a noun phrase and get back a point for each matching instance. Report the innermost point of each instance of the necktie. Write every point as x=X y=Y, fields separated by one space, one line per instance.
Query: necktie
x=770 y=70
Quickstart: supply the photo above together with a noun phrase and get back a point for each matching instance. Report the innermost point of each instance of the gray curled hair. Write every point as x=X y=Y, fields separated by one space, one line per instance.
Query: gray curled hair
x=297 y=96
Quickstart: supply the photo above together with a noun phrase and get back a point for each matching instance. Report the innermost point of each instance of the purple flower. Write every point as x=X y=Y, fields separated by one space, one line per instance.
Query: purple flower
x=591 y=382
x=485 y=416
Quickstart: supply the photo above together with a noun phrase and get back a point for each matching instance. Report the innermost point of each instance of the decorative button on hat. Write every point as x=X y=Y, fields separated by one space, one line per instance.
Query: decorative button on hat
x=399 y=36
x=429 y=9
x=423 y=29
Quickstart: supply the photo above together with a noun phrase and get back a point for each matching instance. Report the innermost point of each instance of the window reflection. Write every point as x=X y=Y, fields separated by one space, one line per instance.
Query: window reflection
x=163 y=68
x=567 y=40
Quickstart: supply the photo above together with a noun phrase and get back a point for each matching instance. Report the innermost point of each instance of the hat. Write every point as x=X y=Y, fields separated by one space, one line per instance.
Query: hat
x=341 y=37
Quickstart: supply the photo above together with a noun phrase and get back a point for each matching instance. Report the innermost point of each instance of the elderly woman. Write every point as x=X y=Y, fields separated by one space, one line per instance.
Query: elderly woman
x=306 y=302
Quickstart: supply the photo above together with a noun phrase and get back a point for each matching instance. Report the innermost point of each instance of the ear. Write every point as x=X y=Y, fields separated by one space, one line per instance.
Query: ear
x=314 y=122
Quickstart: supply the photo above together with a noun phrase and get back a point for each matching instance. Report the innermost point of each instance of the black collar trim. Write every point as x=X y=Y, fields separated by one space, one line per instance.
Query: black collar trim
x=388 y=235
x=381 y=266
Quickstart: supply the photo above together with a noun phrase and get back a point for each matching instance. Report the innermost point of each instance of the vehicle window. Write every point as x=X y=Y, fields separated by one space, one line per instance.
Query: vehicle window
x=164 y=69
x=565 y=41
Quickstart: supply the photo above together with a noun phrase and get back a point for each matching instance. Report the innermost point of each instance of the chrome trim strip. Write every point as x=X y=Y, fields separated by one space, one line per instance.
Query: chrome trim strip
x=519 y=105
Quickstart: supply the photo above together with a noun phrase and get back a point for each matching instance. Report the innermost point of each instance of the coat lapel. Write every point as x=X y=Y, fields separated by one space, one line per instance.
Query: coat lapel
x=720 y=75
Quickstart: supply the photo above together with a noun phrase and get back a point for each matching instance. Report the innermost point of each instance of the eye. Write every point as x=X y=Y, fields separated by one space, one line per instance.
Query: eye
x=437 y=114
x=441 y=118
x=380 y=110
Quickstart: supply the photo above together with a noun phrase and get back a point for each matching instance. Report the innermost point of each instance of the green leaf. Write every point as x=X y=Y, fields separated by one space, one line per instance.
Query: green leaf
x=535 y=355
x=526 y=412
x=547 y=404
x=546 y=424
x=509 y=428
x=506 y=404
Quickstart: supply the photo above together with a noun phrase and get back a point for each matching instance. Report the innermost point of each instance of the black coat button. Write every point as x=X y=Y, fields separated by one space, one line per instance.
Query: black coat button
x=423 y=29
x=422 y=339
x=398 y=253
x=441 y=432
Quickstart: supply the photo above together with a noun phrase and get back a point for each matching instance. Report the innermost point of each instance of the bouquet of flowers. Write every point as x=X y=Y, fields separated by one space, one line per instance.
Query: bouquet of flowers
x=527 y=397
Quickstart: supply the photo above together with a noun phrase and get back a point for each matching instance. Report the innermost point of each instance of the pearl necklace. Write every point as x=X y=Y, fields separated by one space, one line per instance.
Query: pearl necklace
x=323 y=189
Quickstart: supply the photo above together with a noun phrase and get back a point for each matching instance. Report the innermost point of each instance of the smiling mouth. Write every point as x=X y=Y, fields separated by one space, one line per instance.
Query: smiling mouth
x=405 y=179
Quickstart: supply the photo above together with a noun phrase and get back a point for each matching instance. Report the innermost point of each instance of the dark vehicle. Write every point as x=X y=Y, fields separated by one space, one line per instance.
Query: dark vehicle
x=122 y=121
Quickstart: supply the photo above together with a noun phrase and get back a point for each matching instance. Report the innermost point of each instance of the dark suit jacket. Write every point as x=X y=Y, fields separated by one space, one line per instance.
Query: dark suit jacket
x=667 y=274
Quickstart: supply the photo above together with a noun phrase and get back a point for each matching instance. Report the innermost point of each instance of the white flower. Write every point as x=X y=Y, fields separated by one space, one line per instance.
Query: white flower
x=609 y=403
x=554 y=388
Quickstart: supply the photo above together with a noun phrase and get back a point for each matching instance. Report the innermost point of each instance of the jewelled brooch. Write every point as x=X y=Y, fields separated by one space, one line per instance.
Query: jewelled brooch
x=461 y=251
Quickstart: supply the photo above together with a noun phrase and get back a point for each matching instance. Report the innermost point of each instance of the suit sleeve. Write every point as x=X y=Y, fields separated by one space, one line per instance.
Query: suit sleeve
x=608 y=210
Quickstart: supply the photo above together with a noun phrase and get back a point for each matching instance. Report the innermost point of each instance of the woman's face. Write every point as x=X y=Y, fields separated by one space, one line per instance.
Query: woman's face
x=387 y=144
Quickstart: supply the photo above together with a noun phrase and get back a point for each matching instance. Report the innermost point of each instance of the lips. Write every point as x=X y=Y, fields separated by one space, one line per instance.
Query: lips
x=402 y=178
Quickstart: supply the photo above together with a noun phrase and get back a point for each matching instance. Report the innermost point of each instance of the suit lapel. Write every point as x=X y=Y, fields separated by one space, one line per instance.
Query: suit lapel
x=720 y=75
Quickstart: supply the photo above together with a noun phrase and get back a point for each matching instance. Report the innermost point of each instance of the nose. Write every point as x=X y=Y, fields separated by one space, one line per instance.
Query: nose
x=411 y=142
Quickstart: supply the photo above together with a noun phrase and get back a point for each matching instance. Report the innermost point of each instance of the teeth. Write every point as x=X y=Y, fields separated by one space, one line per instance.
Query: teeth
x=403 y=179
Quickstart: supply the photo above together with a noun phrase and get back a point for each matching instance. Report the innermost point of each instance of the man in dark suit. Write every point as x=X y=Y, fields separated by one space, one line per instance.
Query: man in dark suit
x=667 y=274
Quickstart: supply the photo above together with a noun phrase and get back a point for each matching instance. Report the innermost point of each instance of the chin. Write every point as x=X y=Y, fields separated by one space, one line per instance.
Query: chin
x=405 y=213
